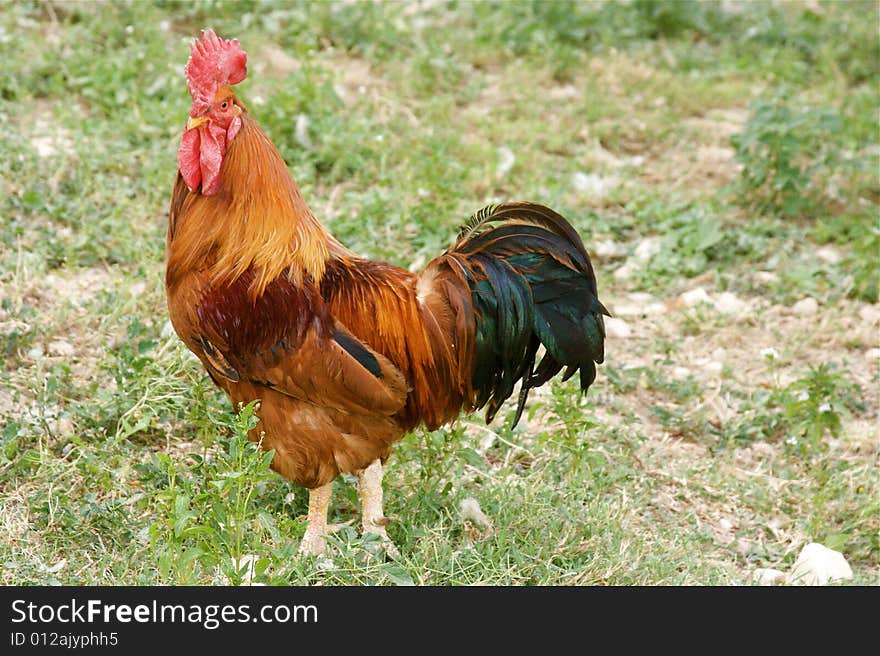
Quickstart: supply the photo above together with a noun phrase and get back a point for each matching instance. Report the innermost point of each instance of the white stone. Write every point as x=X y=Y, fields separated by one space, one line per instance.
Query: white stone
x=873 y=354
x=765 y=277
x=61 y=348
x=627 y=310
x=639 y=310
x=470 y=510
x=12 y=326
x=714 y=367
x=506 y=160
x=168 y=330
x=767 y=576
x=730 y=303
x=607 y=249
x=624 y=272
x=870 y=313
x=301 y=131
x=617 y=328
x=61 y=426
x=819 y=565
x=590 y=183
x=641 y=298
x=714 y=154
x=57 y=567
x=681 y=373
x=806 y=306
x=695 y=296
x=647 y=248
x=828 y=254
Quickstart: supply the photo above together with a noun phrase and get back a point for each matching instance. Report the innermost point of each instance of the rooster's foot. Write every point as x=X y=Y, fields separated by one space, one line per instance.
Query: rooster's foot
x=373 y=517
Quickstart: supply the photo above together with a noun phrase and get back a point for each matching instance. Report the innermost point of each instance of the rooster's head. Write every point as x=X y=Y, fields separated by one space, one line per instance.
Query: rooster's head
x=214 y=65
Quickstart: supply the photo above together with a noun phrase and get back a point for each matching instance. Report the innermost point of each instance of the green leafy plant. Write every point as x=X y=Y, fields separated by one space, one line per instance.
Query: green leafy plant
x=813 y=406
x=801 y=413
x=210 y=516
x=786 y=151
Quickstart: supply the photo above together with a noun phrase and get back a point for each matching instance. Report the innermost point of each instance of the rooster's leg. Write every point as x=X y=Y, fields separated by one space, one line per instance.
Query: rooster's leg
x=313 y=542
x=373 y=517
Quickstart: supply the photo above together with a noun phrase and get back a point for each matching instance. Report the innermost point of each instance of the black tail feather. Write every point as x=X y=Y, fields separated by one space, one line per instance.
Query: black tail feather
x=531 y=284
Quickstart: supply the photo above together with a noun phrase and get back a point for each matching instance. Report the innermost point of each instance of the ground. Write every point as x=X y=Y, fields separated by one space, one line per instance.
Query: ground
x=719 y=159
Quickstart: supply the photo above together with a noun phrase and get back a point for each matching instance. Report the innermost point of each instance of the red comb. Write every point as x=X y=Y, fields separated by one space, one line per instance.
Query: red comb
x=212 y=63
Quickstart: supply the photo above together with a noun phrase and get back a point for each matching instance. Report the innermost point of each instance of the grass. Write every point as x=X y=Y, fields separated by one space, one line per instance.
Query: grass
x=719 y=161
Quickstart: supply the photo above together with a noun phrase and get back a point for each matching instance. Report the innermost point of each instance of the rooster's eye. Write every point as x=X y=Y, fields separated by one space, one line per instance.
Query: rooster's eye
x=224 y=105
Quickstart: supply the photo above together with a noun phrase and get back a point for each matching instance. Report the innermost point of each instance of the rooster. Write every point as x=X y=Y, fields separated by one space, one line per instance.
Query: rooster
x=346 y=355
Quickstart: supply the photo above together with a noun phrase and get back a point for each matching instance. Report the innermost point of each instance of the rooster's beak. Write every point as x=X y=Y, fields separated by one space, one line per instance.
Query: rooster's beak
x=196 y=122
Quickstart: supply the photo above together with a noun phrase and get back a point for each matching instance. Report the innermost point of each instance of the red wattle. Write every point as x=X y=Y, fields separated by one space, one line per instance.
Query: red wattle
x=188 y=159
x=201 y=152
x=211 y=156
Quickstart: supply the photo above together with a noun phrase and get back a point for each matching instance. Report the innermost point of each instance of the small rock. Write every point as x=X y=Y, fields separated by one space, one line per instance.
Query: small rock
x=168 y=330
x=137 y=289
x=301 y=132
x=470 y=510
x=819 y=565
x=765 y=277
x=36 y=352
x=714 y=367
x=744 y=547
x=617 y=328
x=13 y=326
x=873 y=354
x=828 y=254
x=61 y=348
x=647 y=248
x=766 y=576
x=62 y=426
x=695 y=296
x=681 y=373
x=325 y=564
x=57 y=567
x=870 y=313
x=642 y=298
x=714 y=154
x=627 y=310
x=639 y=307
x=624 y=272
x=730 y=303
x=44 y=146
x=607 y=249
x=806 y=306
x=566 y=92
x=506 y=160
x=593 y=184
x=725 y=524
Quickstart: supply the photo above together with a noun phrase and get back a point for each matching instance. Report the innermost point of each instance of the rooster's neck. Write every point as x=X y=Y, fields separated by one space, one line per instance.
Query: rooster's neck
x=257 y=221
